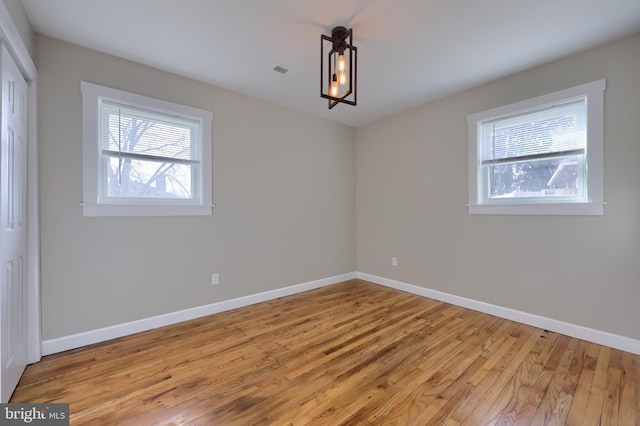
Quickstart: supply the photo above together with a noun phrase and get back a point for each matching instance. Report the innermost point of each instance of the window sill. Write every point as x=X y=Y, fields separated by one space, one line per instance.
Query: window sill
x=100 y=210
x=565 y=209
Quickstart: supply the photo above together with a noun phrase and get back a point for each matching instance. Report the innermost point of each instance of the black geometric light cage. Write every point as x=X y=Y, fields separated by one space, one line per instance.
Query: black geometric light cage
x=339 y=79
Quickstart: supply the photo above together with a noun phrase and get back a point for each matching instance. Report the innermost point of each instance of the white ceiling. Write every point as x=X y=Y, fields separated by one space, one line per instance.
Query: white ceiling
x=409 y=51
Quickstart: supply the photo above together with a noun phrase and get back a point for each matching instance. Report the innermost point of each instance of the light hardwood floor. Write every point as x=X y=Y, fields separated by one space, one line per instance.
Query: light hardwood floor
x=353 y=353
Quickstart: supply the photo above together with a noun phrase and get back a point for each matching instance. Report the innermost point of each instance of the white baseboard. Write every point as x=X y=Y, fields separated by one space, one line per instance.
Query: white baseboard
x=103 y=334
x=596 y=336
x=107 y=333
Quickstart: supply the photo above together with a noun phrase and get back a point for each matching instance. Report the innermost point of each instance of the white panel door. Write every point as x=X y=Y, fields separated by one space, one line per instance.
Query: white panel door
x=13 y=227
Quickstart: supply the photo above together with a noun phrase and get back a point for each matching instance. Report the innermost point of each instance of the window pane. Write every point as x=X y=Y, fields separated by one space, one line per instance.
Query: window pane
x=550 y=177
x=128 y=129
x=556 y=128
x=131 y=178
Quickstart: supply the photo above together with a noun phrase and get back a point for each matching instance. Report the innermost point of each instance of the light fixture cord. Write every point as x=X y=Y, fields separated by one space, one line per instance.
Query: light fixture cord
x=334 y=62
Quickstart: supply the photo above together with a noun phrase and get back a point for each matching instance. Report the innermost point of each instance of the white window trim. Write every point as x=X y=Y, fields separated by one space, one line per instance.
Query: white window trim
x=595 y=153
x=91 y=93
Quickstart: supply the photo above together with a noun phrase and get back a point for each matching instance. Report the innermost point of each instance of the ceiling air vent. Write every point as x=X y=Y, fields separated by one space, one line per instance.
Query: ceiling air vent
x=280 y=69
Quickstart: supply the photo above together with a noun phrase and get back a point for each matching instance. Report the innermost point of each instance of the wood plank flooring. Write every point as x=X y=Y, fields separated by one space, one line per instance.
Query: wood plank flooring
x=350 y=354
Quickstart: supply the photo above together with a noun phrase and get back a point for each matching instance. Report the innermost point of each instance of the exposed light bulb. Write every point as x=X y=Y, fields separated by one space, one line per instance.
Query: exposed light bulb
x=342 y=65
x=334 y=86
x=342 y=79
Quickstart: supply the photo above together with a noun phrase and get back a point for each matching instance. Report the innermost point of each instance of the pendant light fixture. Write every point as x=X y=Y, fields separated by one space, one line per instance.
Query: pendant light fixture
x=339 y=77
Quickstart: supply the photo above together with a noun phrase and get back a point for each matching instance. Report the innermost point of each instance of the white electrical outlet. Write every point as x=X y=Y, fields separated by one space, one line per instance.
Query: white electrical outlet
x=215 y=279
x=394 y=261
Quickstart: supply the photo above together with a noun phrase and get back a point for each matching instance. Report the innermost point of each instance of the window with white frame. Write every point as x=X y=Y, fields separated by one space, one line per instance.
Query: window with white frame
x=144 y=156
x=539 y=156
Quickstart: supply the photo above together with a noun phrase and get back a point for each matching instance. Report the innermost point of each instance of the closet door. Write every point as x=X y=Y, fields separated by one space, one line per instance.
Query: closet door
x=13 y=226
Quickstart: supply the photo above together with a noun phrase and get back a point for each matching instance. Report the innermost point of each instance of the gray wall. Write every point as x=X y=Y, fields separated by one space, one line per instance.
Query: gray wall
x=412 y=187
x=298 y=197
x=283 y=182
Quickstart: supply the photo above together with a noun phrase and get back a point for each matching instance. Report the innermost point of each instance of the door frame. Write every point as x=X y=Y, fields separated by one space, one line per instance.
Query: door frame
x=11 y=38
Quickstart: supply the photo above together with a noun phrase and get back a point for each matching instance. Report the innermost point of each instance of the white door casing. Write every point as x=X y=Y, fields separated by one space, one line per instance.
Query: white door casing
x=13 y=226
